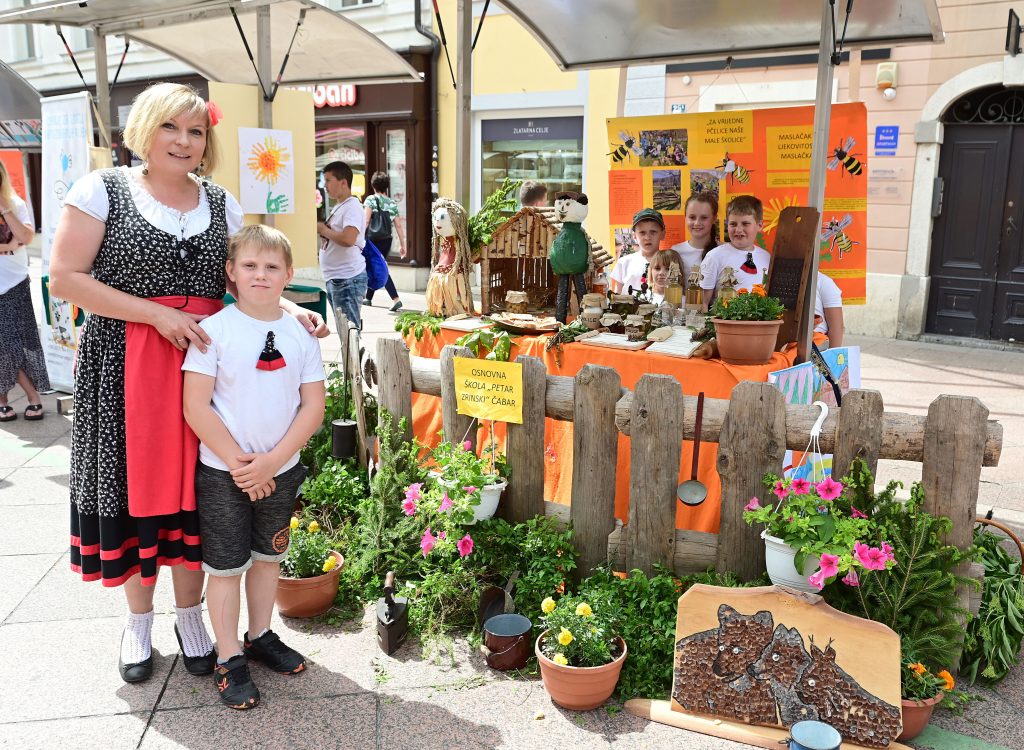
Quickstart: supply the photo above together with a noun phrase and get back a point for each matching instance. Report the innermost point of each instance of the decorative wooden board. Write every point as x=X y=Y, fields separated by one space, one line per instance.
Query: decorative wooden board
x=615 y=341
x=467 y=324
x=796 y=240
x=678 y=345
x=773 y=657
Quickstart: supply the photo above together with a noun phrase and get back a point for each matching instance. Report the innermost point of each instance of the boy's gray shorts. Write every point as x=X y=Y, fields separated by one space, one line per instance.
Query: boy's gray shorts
x=234 y=529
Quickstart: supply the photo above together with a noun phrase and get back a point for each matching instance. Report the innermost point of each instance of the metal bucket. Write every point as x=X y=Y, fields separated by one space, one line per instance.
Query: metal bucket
x=507 y=641
x=814 y=735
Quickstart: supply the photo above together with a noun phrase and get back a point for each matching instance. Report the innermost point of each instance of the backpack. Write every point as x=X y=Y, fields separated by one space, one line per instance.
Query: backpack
x=380 y=223
x=377 y=271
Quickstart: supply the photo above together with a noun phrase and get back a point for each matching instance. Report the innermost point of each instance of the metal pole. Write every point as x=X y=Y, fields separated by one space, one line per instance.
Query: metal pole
x=819 y=156
x=266 y=116
x=464 y=97
x=102 y=88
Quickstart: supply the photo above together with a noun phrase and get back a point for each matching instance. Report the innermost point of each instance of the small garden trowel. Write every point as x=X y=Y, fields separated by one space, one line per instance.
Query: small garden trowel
x=392 y=617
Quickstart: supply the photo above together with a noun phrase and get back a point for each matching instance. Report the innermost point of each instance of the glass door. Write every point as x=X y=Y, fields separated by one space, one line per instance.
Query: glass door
x=345 y=143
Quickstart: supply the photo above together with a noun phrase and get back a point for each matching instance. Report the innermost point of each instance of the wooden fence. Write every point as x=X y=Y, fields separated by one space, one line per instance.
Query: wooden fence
x=753 y=429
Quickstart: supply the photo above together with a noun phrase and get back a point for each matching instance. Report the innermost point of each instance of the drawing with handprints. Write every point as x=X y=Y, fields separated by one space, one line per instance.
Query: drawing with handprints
x=267 y=174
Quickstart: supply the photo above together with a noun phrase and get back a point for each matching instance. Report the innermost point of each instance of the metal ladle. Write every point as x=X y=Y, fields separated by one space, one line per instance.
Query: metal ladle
x=693 y=491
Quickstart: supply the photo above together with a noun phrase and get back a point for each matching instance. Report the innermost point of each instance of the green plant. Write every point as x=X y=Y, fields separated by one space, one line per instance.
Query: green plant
x=418 y=323
x=918 y=683
x=318 y=448
x=309 y=553
x=994 y=637
x=333 y=496
x=566 y=334
x=577 y=634
x=747 y=305
x=458 y=466
x=493 y=340
x=491 y=214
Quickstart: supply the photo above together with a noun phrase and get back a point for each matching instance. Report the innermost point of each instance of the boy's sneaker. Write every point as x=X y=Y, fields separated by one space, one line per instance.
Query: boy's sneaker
x=235 y=685
x=270 y=650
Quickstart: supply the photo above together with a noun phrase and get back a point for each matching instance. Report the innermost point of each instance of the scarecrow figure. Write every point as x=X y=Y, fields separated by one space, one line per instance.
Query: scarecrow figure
x=570 y=252
x=448 y=288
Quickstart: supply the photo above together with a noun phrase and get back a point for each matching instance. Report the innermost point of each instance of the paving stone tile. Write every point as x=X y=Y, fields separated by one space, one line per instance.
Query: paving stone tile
x=992 y=720
x=116 y=732
x=629 y=732
x=34 y=529
x=58 y=454
x=20 y=573
x=47 y=485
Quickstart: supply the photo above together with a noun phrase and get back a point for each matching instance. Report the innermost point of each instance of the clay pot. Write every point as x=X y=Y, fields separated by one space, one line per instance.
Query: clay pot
x=916 y=715
x=746 y=342
x=308 y=597
x=579 y=688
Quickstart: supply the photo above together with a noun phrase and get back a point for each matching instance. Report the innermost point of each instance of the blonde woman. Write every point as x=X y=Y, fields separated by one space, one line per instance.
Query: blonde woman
x=143 y=250
x=21 y=353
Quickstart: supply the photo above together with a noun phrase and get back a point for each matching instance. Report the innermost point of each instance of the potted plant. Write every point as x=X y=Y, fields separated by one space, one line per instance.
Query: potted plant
x=814 y=535
x=461 y=474
x=920 y=692
x=746 y=326
x=309 y=573
x=579 y=653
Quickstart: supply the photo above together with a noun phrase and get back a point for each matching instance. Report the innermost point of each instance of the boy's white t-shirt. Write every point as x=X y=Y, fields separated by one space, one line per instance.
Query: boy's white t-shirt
x=257 y=406
x=629 y=269
x=691 y=257
x=827 y=294
x=727 y=256
x=14 y=267
x=344 y=261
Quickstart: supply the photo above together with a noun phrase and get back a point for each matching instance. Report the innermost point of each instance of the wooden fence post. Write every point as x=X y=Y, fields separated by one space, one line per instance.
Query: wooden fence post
x=455 y=425
x=656 y=431
x=354 y=377
x=395 y=389
x=859 y=433
x=525 y=447
x=595 y=444
x=752 y=443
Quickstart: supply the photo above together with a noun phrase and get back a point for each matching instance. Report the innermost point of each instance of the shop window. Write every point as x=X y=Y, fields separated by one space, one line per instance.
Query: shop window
x=546 y=149
x=345 y=4
x=345 y=143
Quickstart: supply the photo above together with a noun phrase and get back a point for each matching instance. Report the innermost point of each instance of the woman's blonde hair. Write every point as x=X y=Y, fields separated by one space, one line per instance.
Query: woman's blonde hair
x=158 y=104
x=6 y=189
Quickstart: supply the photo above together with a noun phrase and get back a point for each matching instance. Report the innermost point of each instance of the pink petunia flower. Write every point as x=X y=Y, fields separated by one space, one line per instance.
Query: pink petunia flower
x=854 y=513
x=754 y=504
x=413 y=491
x=409 y=507
x=800 y=486
x=467 y=445
x=469 y=490
x=887 y=551
x=446 y=503
x=851 y=579
x=465 y=545
x=872 y=558
x=817 y=580
x=780 y=490
x=442 y=535
x=427 y=542
x=829 y=489
x=829 y=565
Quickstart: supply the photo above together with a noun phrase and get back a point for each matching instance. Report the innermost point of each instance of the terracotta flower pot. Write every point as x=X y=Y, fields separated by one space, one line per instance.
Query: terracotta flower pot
x=308 y=597
x=746 y=342
x=579 y=688
x=916 y=715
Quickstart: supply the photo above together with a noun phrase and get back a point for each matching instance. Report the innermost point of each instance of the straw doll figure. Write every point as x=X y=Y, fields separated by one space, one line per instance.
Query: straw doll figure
x=448 y=288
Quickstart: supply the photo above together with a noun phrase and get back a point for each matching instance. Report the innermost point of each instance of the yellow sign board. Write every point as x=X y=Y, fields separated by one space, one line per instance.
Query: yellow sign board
x=489 y=390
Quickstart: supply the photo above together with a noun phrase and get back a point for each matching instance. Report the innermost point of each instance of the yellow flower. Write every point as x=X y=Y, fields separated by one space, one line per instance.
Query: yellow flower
x=945 y=675
x=547 y=606
x=583 y=610
x=918 y=667
x=329 y=564
x=559 y=658
x=294 y=523
x=565 y=637
x=313 y=527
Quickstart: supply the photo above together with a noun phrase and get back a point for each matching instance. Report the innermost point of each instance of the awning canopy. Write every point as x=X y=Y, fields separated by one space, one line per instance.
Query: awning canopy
x=581 y=34
x=18 y=98
x=203 y=35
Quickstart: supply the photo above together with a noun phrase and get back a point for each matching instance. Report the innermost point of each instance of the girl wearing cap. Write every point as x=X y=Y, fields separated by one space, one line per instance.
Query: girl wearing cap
x=631 y=270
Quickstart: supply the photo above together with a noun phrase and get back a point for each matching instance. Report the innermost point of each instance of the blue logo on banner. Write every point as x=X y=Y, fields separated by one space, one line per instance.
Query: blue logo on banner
x=886 y=139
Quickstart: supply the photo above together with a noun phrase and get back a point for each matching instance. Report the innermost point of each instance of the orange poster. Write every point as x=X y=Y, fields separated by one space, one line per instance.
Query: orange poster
x=625 y=195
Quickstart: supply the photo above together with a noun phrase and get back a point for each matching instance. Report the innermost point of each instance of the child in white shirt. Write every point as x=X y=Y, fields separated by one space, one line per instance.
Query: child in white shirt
x=744 y=218
x=702 y=223
x=631 y=270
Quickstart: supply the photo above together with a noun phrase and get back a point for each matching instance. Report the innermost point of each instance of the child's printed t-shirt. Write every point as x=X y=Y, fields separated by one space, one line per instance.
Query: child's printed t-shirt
x=727 y=256
x=629 y=269
x=257 y=406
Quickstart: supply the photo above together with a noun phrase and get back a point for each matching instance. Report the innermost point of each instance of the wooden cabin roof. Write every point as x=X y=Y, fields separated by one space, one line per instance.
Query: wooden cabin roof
x=551 y=227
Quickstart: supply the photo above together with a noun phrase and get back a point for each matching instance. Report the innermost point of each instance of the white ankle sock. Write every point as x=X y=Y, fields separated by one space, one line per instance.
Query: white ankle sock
x=136 y=645
x=194 y=639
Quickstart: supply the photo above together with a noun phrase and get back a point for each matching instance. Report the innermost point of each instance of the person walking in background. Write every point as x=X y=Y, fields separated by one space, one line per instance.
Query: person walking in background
x=21 y=353
x=341 y=252
x=533 y=194
x=380 y=213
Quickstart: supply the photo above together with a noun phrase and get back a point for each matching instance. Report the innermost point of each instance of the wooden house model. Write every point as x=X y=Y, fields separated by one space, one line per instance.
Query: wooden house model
x=516 y=260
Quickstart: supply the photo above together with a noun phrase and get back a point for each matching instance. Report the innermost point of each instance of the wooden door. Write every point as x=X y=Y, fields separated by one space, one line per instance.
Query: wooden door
x=1008 y=312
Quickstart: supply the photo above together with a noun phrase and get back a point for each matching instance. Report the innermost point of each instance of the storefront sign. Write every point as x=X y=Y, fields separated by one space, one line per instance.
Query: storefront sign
x=535 y=129
x=24 y=132
x=886 y=139
x=331 y=95
x=489 y=390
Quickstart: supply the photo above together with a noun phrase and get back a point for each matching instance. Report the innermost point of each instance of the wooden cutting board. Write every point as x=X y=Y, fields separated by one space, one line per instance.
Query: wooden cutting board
x=614 y=341
x=678 y=345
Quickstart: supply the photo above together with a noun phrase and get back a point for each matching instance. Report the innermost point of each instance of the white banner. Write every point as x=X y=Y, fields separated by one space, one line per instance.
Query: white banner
x=266 y=171
x=67 y=136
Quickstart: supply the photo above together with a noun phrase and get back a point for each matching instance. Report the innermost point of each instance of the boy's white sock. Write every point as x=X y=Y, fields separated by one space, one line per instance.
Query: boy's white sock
x=195 y=641
x=136 y=645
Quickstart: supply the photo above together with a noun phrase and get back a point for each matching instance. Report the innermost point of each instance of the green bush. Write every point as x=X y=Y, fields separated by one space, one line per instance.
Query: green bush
x=332 y=497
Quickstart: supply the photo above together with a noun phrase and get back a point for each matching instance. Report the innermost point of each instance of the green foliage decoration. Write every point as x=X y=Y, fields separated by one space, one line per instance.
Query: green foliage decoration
x=417 y=323
x=493 y=340
x=492 y=213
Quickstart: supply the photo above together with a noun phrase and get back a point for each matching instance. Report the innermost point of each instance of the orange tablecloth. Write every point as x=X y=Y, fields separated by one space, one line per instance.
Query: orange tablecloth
x=714 y=377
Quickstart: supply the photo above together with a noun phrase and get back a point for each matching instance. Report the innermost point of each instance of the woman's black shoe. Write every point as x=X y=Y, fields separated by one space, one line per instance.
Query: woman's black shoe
x=196 y=665
x=235 y=685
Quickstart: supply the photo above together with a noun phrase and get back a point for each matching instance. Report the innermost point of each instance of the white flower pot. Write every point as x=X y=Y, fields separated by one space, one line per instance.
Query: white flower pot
x=779 y=557
x=490 y=494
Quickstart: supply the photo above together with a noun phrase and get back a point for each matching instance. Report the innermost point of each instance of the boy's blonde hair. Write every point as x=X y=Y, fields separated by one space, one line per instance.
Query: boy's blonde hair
x=158 y=104
x=261 y=237
x=745 y=205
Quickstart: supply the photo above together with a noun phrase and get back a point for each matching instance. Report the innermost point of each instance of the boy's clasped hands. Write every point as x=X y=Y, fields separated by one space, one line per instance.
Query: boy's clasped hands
x=255 y=477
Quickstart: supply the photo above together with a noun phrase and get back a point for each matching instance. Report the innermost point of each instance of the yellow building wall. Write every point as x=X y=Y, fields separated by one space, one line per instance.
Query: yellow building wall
x=293 y=111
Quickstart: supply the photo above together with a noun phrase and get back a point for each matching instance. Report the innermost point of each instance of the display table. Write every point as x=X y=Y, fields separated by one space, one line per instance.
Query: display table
x=714 y=377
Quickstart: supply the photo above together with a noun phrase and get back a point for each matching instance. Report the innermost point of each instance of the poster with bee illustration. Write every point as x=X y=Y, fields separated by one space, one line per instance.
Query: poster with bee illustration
x=658 y=161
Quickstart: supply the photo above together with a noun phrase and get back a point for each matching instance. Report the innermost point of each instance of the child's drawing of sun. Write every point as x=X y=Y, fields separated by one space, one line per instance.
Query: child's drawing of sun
x=773 y=209
x=267 y=160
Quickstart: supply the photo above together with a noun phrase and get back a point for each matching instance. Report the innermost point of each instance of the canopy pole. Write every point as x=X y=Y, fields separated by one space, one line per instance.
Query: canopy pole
x=819 y=156
x=102 y=88
x=464 y=97
x=263 y=71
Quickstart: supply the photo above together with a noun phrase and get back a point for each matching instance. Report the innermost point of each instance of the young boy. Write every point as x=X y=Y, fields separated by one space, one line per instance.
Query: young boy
x=253 y=399
x=341 y=251
x=649 y=231
x=744 y=217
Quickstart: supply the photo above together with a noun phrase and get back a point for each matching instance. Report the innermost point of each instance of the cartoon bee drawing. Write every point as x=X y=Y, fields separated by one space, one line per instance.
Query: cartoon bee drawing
x=736 y=173
x=834 y=231
x=625 y=148
x=843 y=155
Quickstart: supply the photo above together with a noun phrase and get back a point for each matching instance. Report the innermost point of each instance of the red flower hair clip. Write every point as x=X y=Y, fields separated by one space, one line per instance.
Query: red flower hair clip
x=215 y=113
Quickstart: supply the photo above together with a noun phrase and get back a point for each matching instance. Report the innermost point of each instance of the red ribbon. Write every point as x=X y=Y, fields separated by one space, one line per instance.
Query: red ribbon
x=215 y=113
